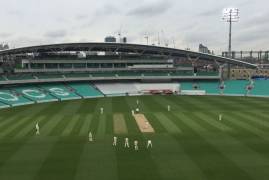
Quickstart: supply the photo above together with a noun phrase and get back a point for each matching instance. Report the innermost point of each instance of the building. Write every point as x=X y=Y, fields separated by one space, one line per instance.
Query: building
x=204 y=49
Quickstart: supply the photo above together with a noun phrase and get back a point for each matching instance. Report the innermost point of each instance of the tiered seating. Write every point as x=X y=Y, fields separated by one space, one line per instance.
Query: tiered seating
x=155 y=74
x=186 y=86
x=261 y=88
x=13 y=98
x=86 y=90
x=157 y=86
x=117 y=88
x=2 y=105
x=35 y=94
x=2 y=78
x=207 y=73
x=181 y=73
x=210 y=87
x=235 y=87
x=49 y=76
x=60 y=91
x=128 y=73
x=20 y=77
x=76 y=75
x=103 y=74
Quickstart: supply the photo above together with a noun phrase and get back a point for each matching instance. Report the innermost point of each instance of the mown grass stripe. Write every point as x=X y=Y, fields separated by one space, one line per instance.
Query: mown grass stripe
x=155 y=123
x=63 y=159
x=101 y=130
x=50 y=124
x=5 y=123
x=173 y=167
x=131 y=124
x=14 y=126
x=213 y=122
x=254 y=120
x=186 y=119
x=29 y=128
x=167 y=123
x=86 y=125
x=26 y=162
x=71 y=124
x=240 y=154
x=92 y=165
x=249 y=128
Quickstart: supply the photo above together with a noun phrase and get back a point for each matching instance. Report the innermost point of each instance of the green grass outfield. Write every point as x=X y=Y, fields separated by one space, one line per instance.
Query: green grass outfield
x=189 y=142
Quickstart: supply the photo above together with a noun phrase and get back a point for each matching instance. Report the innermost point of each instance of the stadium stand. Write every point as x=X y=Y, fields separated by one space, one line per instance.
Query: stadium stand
x=117 y=89
x=12 y=98
x=261 y=88
x=35 y=94
x=76 y=75
x=2 y=105
x=210 y=87
x=235 y=87
x=20 y=77
x=186 y=85
x=86 y=90
x=60 y=91
x=49 y=76
x=2 y=78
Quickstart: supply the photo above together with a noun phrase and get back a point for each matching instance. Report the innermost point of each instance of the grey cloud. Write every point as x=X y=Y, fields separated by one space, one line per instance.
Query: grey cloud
x=5 y=34
x=56 y=34
x=107 y=9
x=151 y=9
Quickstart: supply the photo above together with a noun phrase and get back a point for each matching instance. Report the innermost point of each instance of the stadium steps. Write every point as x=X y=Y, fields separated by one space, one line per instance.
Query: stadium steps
x=236 y=87
x=48 y=92
x=95 y=87
x=60 y=91
x=21 y=94
x=71 y=89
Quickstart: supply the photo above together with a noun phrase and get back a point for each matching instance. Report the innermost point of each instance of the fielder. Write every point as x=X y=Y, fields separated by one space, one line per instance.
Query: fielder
x=133 y=113
x=136 y=145
x=114 y=141
x=90 y=137
x=37 y=129
x=168 y=108
x=126 y=143
x=137 y=102
x=220 y=117
x=101 y=110
x=149 y=144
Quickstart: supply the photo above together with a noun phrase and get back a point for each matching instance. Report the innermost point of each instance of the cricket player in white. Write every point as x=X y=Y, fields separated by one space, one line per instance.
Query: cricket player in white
x=220 y=117
x=37 y=129
x=147 y=125
x=126 y=143
x=133 y=113
x=137 y=110
x=101 y=110
x=90 y=137
x=137 y=102
x=114 y=141
x=168 y=108
x=149 y=144
x=136 y=145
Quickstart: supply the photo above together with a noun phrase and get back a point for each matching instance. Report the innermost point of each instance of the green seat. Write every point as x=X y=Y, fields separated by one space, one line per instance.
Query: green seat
x=86 y=90
x=261 y=88
x=60 y=91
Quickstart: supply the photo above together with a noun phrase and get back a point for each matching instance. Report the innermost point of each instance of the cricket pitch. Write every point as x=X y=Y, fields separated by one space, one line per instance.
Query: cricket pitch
x=143 y=123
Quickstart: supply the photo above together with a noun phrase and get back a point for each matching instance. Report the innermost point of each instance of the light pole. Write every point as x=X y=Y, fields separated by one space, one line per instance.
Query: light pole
x=230 y=15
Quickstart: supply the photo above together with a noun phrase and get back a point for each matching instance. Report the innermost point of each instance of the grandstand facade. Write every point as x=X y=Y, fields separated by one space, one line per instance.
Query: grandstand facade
x=88 y=70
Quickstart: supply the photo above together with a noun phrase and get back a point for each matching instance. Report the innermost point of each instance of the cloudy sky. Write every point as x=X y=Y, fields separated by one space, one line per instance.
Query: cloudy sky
x=185 y=23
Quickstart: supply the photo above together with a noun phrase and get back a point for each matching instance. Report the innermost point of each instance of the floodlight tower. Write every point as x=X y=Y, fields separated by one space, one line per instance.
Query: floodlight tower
x=230 y=15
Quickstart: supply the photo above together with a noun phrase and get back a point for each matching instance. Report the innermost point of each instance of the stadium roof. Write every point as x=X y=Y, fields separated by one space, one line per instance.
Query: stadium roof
x=128 y=48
